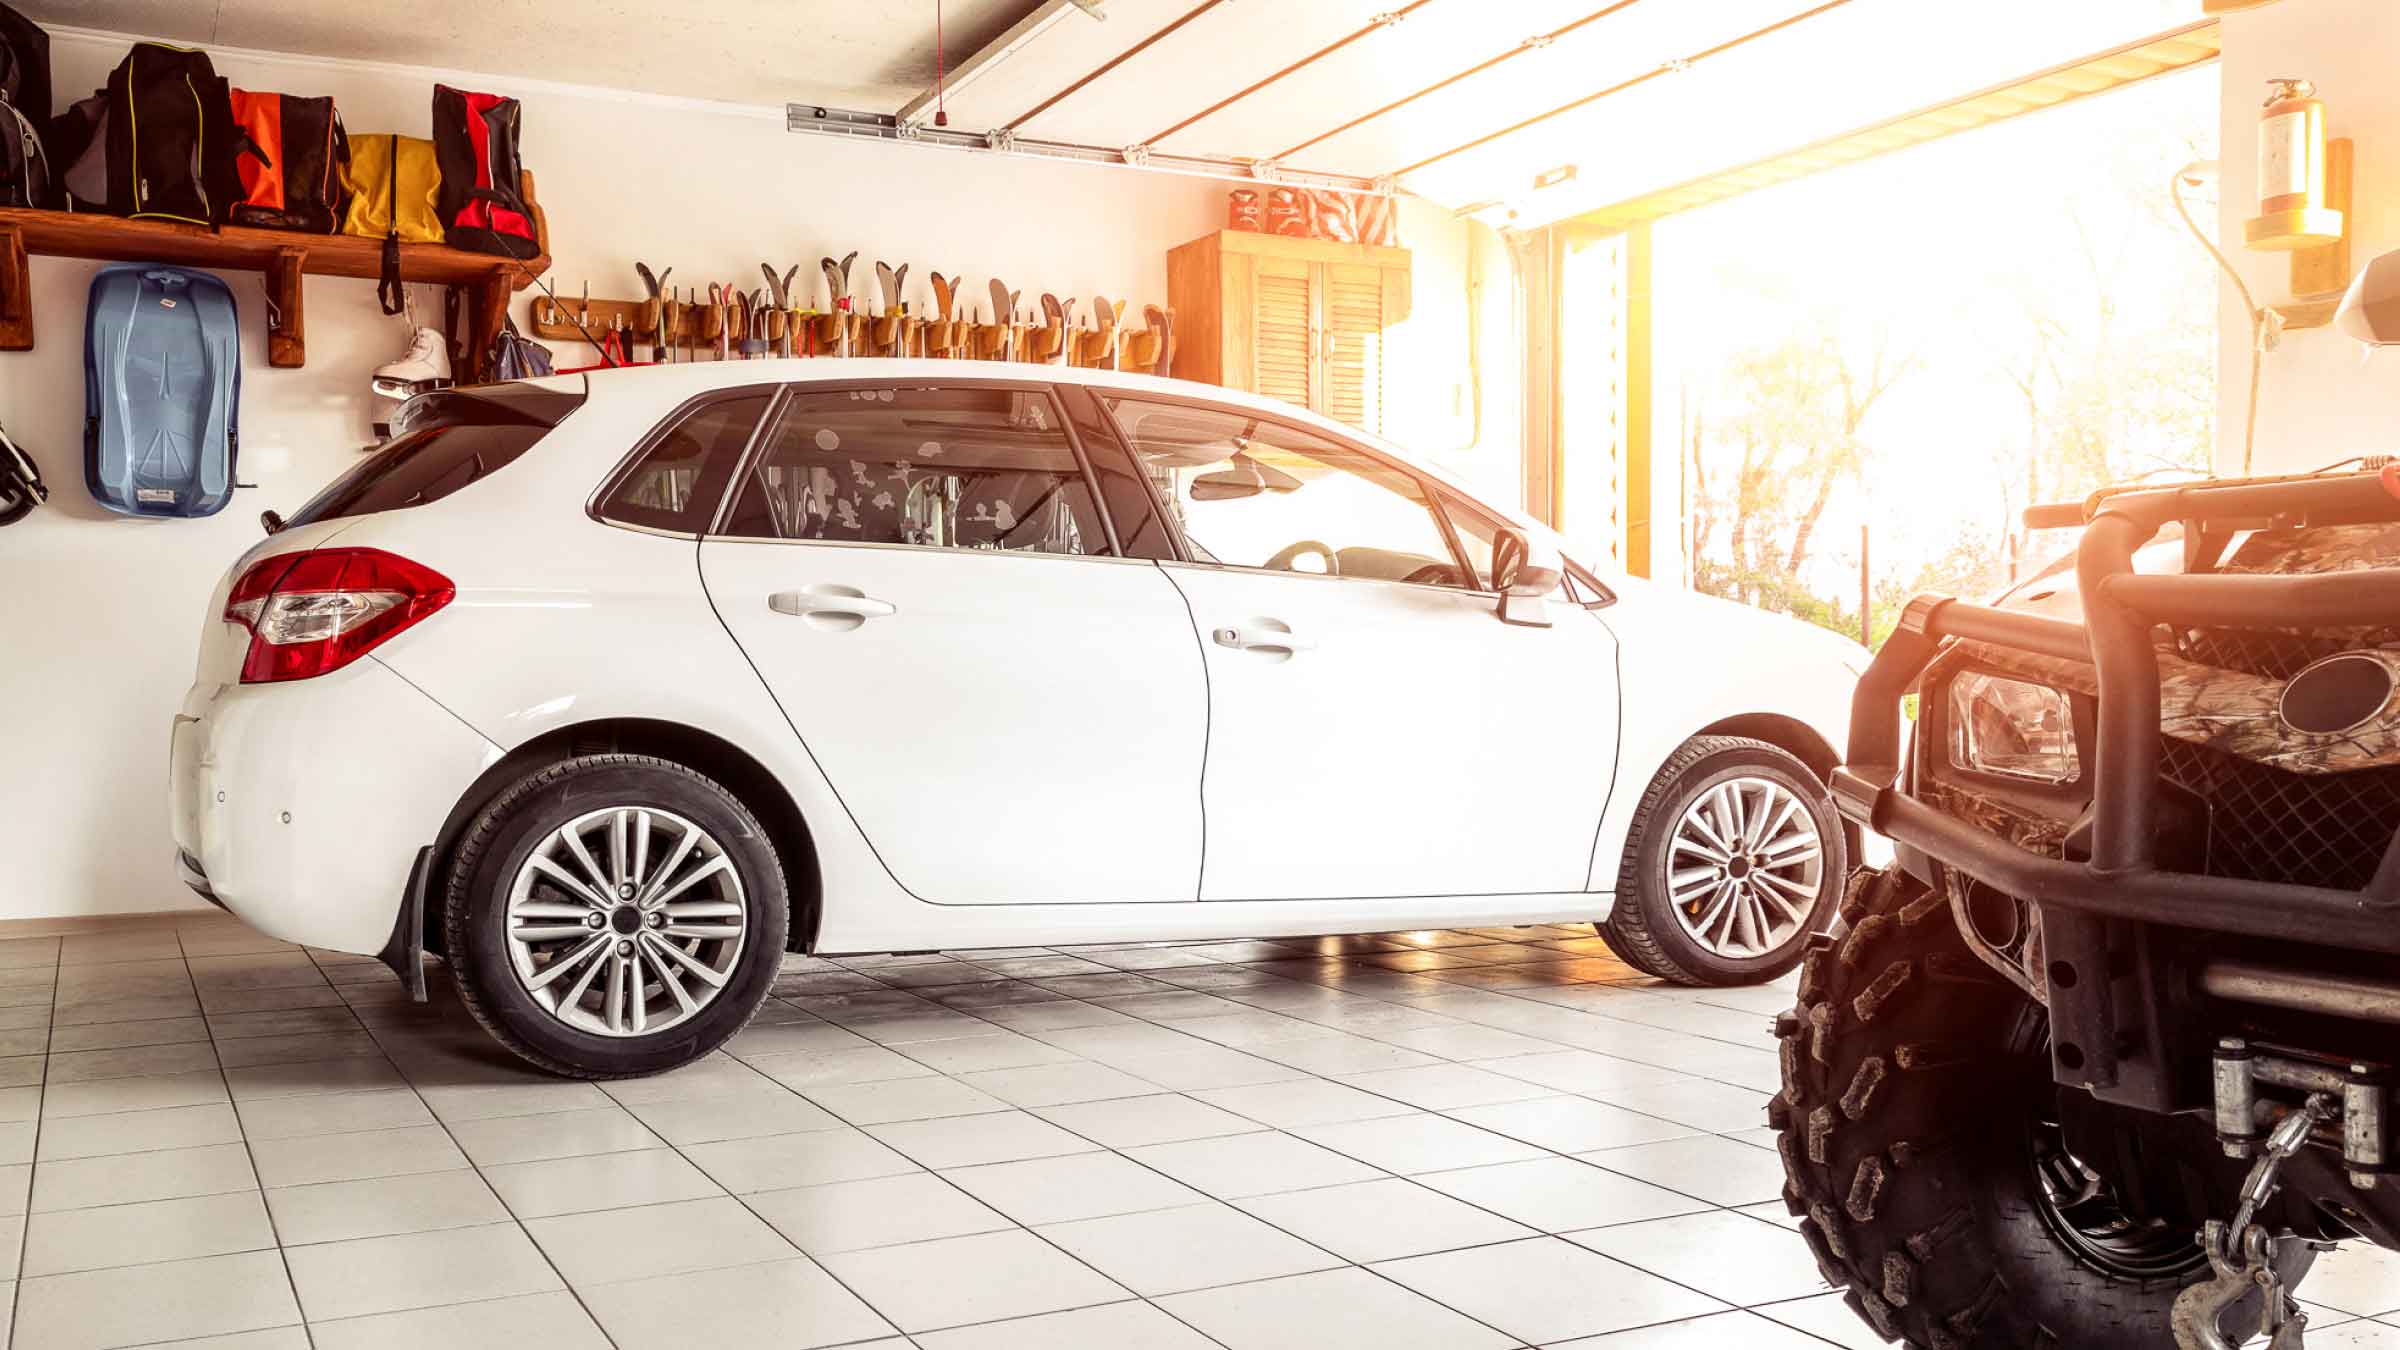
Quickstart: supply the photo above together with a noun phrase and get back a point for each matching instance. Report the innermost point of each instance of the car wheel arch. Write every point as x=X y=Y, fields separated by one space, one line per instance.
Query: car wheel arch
x=703 y=752
x=1788 y=734
x=1795 y=738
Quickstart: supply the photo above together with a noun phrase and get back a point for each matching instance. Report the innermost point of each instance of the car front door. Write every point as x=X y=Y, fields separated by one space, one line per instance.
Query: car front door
x=1375 y=730
x=1011 y=710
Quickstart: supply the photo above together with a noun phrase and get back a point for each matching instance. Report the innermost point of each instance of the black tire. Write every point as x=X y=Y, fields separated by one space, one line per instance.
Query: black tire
x=1644 y=931
x=1911 y=1072
x=498 y=842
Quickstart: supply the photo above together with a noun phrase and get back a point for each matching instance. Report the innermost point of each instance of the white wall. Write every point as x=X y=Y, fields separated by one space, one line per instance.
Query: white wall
x=2317 y=403
x=1463 y=287
x=99 y=614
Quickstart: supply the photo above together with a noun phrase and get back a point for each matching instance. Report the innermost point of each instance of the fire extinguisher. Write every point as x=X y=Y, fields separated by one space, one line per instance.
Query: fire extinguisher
x=2291 y=149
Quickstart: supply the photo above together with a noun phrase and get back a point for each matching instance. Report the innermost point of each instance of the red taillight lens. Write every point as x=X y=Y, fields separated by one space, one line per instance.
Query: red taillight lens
x=309 y=613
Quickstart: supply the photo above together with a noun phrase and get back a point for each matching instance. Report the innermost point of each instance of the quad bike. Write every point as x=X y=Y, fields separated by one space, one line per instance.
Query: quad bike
x=2107 y=1056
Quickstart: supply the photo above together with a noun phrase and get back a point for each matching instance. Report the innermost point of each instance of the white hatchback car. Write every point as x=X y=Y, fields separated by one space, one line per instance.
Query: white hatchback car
x=614 y=689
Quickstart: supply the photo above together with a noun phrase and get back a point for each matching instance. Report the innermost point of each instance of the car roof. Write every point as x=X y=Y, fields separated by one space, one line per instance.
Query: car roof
x=676 y=382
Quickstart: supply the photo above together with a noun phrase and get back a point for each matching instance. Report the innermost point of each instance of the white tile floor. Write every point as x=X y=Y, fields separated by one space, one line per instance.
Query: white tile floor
x=1426 y=1141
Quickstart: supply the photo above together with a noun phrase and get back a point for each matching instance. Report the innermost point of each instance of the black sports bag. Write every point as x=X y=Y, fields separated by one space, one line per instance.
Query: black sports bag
x=24 y=111
x=160 y=141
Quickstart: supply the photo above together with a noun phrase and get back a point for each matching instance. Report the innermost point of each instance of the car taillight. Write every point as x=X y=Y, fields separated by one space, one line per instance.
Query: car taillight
x=309 y=613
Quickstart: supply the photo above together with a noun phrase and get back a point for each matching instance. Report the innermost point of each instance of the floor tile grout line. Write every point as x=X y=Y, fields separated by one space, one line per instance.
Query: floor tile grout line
x=1022 y=1227
x=743 y=1199
x=1551 y=1152
x=41 y=1114
x=1709 y=1207
x=250 y=1153
x=1328 y=1013
x=510 y=1210
x=1220 y=1201
x=1517 y=995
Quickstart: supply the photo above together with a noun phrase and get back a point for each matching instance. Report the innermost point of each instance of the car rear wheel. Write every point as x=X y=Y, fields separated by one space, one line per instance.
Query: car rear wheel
x=1735 y=857
x=615 y=915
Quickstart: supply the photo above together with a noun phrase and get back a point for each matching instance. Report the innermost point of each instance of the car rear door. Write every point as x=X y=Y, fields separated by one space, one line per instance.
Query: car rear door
x=1375 y=730
x=927 y=576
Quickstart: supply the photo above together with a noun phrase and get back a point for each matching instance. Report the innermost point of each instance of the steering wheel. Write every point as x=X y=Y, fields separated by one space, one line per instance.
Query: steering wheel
x=1283 y=560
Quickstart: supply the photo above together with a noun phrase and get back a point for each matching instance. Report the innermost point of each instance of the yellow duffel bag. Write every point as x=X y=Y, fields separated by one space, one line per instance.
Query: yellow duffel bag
x=394 y=181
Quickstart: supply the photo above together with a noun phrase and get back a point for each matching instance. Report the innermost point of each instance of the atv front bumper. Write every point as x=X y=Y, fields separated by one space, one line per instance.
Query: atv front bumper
x=2120 y=881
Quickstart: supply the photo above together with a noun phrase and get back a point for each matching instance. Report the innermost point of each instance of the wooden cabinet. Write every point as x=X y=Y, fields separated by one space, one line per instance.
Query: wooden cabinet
x=1301 y=320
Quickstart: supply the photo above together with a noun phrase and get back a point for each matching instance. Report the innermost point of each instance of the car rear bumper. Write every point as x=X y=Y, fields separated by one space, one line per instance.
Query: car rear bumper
x=300 y=807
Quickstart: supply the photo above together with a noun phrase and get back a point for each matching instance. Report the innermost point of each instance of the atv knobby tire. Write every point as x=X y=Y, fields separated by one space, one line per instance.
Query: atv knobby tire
x=1909 y=1071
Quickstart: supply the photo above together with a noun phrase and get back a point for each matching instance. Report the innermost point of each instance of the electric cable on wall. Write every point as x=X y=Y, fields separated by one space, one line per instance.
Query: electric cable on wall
x=2262 y=322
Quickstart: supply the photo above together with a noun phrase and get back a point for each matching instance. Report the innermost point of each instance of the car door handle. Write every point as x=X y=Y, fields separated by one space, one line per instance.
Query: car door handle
x=832 y=602
x=1266 y=636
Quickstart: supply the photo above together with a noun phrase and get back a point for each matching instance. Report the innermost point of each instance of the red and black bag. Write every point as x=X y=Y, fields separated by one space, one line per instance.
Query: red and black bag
x=482 y=202
x=292 y=168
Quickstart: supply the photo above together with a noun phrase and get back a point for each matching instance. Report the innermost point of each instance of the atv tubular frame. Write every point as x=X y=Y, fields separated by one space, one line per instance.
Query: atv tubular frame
x=2098 y=1042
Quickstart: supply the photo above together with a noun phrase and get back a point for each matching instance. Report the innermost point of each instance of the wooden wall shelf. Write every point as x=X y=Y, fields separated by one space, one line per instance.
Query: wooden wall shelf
x=282 y=256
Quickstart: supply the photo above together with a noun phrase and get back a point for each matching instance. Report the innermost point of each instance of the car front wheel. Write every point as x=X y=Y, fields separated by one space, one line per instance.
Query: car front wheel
x=1735 y=857
x=615 y=915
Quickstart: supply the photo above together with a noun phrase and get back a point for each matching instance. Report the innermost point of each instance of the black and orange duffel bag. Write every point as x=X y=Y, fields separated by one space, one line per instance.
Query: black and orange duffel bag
x=294 y=169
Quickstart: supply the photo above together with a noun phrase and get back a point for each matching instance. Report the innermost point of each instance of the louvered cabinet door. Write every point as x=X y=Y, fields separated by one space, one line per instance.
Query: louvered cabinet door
x=1283 y=324
x=1301 y=320
x=1351 y=345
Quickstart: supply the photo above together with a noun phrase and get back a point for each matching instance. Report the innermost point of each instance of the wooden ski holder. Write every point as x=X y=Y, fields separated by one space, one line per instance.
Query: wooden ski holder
x=695 y=327
x=944 y=338
x=695 y=324
x=894 y=335
x=1094 y=346
x=1041 y=345
x=1140 y=352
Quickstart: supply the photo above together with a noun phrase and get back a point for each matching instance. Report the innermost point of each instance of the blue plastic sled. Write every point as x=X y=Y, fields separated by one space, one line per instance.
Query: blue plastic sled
x=162 y=380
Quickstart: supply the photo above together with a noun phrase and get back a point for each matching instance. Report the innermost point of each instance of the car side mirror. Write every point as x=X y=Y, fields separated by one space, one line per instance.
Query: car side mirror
x=1525 y=573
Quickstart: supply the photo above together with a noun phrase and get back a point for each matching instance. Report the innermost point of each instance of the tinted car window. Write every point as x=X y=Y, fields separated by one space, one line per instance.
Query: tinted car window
x=933 y=467
x=441 y=443
x=680 y=476
x=1250 y=492
x=1132 y=508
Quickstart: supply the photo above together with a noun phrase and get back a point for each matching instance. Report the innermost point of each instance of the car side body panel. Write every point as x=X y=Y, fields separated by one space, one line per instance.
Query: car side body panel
x=1687 y=663
x=517 y=656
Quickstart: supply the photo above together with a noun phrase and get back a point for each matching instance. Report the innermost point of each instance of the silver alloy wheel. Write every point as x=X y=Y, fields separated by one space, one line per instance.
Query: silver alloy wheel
x=626 y=921
x=1745 y=867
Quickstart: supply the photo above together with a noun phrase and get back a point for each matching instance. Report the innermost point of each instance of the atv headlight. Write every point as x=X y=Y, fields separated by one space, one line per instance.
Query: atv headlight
x=2011 y=728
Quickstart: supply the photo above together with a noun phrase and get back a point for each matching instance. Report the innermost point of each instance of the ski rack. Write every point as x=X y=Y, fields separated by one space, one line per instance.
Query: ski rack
x=571 y=319
x=816 y=119
x=281 y=256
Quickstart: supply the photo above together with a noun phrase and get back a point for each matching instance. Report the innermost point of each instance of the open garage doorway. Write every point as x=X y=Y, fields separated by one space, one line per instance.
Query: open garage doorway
x=1871 y=371
x=1923 y=344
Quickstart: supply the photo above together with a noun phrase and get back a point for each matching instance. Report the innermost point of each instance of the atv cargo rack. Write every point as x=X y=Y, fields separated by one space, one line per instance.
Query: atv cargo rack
x=2121 y=879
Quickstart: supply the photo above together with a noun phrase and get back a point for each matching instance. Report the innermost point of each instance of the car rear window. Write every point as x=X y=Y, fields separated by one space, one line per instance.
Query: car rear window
x=441 y=442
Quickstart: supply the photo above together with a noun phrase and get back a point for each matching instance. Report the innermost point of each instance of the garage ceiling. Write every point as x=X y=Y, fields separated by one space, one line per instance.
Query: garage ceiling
x=864 y=53
x=1467 y=102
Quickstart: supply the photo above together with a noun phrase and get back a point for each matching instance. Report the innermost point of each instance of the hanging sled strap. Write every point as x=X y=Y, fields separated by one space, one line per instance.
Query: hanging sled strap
x=387 y=286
